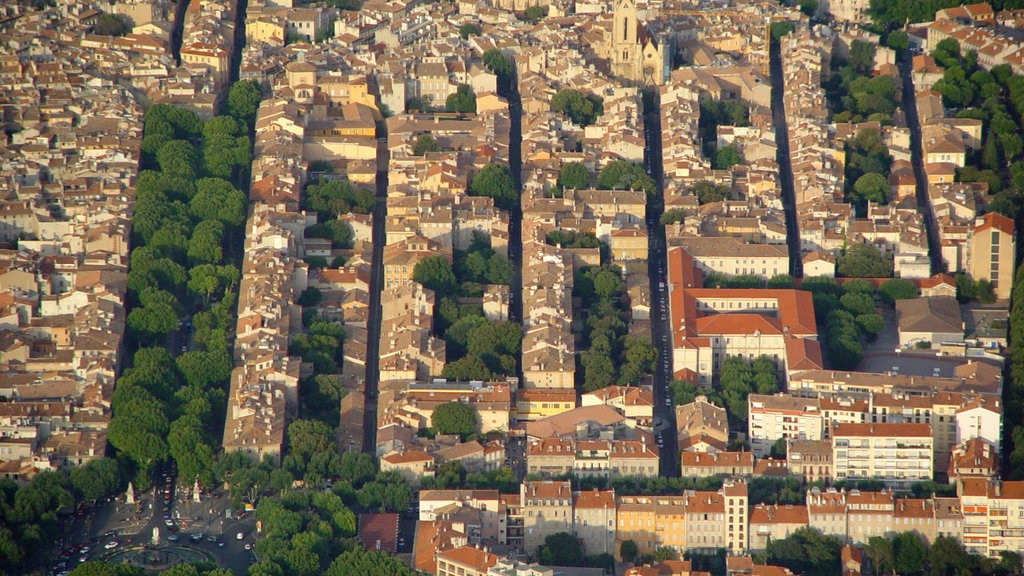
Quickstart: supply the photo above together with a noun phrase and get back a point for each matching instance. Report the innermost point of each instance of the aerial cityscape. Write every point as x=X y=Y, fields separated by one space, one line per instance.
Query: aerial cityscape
x=511 y=287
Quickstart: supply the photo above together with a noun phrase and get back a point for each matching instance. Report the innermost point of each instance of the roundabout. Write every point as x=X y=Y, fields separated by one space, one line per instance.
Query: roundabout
x=159 y=558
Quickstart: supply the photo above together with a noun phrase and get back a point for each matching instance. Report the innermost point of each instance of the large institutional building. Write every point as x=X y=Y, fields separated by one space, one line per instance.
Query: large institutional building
x=709 y=325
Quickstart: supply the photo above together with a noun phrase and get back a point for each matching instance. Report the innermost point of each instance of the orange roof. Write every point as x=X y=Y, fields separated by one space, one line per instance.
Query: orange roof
x=994 y=220
x=406 y=457
x=710 y=460
x=469 y=556
x=595 y=499
x=775 y=514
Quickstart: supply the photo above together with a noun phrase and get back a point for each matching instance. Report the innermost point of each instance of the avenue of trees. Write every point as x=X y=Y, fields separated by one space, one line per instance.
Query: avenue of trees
x=189 y=213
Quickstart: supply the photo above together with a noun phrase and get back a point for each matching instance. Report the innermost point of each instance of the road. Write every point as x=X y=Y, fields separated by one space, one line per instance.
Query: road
x=380 y=211
x=796 y=269
x=924 y=206
x=132 y=525
x=656 y=262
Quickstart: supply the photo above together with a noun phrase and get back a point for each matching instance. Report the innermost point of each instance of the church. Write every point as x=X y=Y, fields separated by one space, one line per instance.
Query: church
x=636 y=56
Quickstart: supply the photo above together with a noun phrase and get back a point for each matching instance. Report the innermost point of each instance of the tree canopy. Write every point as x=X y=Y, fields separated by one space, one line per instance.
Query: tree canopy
x=495 y=181
x=464 y=100
x=582 y=109
x=622 y=175
x=574 y=175
x=454 y=418
x=864 y=261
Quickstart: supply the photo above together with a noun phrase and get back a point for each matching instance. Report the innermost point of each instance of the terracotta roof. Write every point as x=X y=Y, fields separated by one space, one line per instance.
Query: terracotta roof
x=775 y=514
x=994 y=220
x=469 y=556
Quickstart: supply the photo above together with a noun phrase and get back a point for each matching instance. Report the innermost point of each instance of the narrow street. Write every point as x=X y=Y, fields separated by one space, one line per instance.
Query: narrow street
x=656 y=268
x=796 y=269
x=924 y=206
x=515 y=217
x=380 y=210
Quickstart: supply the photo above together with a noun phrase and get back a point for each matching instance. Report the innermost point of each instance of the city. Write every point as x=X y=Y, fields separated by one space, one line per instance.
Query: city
x=511 y=287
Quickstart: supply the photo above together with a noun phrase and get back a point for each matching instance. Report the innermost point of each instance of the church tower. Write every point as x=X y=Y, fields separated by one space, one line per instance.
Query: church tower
x=625 y=49
x=636 y=57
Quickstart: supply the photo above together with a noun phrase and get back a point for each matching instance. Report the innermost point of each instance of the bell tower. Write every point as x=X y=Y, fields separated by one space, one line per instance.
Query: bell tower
x=625 y=49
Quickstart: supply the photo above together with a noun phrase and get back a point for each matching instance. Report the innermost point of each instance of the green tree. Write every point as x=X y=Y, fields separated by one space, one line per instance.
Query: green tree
x=454 y=418
x=204 y=247
x=628 y=550
x=806 y=551
x=781 y=28
x=190 y=449
x=535 y=13
x=500 y=64
x=582 y=109
x=871 y=187
x=707 y=192
x=726 y=157
x=138 y=428
x=619 y=174
x=908 y=553
x=897 y=289
x=153 y=322
x=425 y=143
x=469 y=29
x=96 y=479
x=808 y=7
x=111 y=25
x=463 y=101
x=780 y=281
x=244 y=100
x=897 y=40
x=495 y=181
x=879 y=552
x=217 y=199
x=862 y=57
x=178 y=158
x=359 y=562
x=574 y=175
x=672 y=216
x=560 y=549
x=863 y=261
x=435 y=273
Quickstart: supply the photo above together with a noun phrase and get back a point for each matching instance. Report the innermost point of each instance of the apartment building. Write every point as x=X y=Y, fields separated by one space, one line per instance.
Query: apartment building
x=992 y=252
x=896 y=454
x=547 y=509
x=601 y=458
x=593 y=520
x=732 y=256
x=781 y=417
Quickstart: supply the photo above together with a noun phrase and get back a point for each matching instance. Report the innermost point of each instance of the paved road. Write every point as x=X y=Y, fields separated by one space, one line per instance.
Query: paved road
x=796 y=269
x=924 y=206
x=656 y=261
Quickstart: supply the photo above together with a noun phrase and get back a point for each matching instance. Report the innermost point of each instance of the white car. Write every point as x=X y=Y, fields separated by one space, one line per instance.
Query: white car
x=239 y=536
x=110 y=545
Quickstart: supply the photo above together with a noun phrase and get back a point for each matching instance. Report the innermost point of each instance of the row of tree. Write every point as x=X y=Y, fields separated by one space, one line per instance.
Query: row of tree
x=188 y=214
x=996 y=97
x=612 y=356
